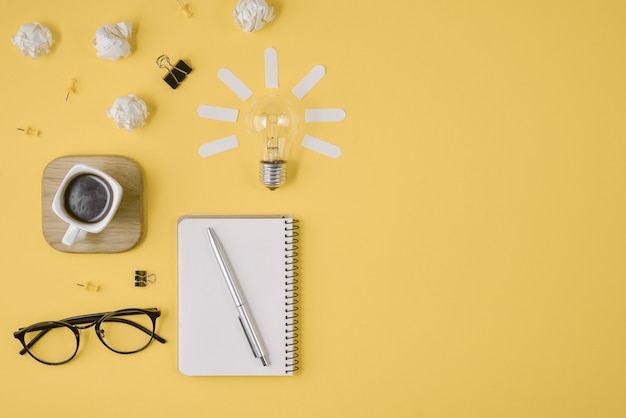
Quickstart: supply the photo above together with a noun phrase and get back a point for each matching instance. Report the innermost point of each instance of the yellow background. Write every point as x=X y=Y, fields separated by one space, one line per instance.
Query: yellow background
x=464 y=257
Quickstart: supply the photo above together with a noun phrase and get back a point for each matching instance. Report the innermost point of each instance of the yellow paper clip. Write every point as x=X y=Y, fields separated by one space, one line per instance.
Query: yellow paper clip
x=184 y=9
x=29 y=131
x=70 y=89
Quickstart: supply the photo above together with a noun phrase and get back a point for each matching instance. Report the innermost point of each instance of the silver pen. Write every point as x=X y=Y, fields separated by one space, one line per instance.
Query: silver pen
x=244 y=316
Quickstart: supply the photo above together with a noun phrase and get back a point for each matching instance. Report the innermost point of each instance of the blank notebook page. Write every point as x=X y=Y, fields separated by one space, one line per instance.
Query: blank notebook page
x=211 y=341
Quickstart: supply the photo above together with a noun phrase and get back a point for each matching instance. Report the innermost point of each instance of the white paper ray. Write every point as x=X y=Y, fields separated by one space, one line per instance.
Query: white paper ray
x=309 y=81
x=218 y=113
x=217 y=146
x=271 y=68
x=324 y=115
x=235 y=84
x=320 y=146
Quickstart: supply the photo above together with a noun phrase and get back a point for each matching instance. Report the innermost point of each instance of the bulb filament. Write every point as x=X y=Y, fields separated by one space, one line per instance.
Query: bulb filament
x=274 y=125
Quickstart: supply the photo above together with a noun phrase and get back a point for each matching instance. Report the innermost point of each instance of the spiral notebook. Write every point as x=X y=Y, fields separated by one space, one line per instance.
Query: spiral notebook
x=262 y=253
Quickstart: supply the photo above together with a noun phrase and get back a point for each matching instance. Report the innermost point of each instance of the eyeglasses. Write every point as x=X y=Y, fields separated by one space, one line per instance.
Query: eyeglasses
x=125 y=331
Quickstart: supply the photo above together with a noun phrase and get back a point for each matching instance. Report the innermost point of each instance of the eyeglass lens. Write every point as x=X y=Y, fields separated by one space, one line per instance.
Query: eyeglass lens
x=124 y=333
x=54 y=344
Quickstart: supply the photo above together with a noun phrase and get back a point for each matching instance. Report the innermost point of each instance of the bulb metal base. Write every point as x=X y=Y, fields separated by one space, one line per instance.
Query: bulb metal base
x=273 y=173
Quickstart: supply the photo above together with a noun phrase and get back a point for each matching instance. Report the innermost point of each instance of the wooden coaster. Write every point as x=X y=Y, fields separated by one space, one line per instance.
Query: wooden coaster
x=126 y=227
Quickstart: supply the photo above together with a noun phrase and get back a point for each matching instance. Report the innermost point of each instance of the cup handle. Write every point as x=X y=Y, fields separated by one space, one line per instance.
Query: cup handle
x=73 y=234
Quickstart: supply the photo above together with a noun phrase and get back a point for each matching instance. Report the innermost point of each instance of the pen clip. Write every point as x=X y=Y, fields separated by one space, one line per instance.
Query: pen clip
x=245 y=332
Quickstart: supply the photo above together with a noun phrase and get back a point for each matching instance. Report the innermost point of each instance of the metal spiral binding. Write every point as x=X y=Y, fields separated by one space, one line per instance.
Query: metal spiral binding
x=291 y=295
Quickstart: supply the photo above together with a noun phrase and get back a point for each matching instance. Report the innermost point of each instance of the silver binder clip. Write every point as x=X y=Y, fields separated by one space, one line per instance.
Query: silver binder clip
x=142 y=278
x=175 y=74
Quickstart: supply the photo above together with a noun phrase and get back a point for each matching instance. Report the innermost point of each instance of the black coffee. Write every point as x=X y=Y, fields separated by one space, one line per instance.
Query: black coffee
x=88 y=198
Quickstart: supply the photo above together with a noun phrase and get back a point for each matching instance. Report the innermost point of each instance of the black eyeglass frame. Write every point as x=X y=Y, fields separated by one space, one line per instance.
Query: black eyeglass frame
x=91 y=320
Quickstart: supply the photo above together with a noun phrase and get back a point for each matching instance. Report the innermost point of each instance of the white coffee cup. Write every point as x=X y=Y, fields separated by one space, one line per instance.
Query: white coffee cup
x=87 y=200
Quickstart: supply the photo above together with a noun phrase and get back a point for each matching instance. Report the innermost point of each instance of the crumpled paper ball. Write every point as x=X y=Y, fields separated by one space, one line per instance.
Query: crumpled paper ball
x=33 y=39
x=112 y=40
x=252 y=15
x=128 y=112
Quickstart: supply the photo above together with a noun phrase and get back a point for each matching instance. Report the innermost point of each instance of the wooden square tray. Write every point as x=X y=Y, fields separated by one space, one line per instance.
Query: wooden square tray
x=126 y=227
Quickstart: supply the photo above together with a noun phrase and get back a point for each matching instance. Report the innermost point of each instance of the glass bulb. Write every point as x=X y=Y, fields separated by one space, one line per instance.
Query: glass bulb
x=273 y=122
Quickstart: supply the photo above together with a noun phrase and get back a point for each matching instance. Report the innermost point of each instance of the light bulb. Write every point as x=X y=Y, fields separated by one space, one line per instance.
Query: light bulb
x=273 y=122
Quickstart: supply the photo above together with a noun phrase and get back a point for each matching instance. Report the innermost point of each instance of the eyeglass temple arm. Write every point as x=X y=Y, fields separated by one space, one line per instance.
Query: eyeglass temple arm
x=85 y=319
x=138 y=326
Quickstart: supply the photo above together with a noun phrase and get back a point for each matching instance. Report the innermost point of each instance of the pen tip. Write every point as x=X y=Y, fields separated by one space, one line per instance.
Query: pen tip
x=263 y=361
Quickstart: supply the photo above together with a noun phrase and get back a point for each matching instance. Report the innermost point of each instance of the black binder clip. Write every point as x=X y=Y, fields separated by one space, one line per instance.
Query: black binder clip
x=176 y=74
x=142 y=278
